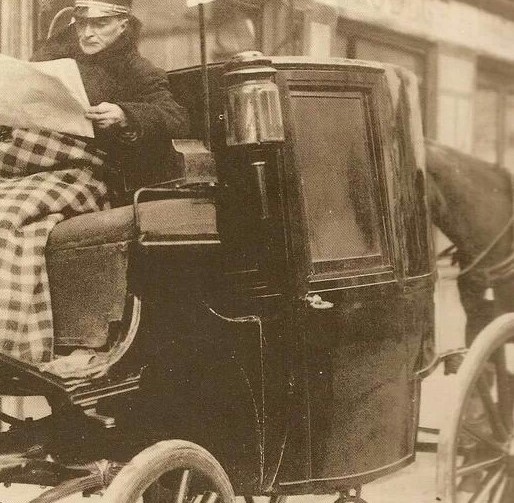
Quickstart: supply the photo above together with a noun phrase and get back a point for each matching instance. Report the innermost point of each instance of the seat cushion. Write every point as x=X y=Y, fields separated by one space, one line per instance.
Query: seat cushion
x=92 y=229
x=160 y=220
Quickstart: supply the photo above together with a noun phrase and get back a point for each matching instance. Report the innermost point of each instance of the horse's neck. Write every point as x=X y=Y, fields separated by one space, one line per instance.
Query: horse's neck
x=470 y=206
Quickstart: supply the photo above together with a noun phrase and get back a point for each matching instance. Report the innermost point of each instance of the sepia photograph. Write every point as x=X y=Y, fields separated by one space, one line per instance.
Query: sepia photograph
x=257 y=251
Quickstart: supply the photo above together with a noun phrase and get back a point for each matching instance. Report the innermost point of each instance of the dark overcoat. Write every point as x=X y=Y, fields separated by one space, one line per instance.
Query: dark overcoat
x=119 y=74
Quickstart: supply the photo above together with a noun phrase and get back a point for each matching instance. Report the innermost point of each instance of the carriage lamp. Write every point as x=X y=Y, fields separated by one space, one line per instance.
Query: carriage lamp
x=252 y=110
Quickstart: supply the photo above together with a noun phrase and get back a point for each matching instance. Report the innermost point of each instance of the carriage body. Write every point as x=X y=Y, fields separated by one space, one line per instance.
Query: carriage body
x=286 y=297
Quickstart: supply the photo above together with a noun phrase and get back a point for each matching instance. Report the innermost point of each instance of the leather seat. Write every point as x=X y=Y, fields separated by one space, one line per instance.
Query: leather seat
x=92 y=229
x=88 y=258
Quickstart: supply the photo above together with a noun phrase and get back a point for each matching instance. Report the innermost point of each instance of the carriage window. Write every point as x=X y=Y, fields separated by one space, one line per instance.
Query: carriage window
x=340 y=182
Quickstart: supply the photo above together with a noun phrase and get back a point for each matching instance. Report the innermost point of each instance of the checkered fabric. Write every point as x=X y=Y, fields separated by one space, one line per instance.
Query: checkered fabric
x=32 y=202
x=27 y=151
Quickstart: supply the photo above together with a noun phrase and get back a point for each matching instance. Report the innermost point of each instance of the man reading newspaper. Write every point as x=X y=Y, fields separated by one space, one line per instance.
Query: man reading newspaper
x=47 y=176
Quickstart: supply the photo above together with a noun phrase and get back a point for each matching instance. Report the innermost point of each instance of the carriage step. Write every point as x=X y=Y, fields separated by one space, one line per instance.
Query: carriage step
x=20 y=378
x=88 y=396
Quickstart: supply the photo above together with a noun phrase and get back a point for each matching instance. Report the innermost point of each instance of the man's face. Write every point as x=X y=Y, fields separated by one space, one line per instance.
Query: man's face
x=97 y=33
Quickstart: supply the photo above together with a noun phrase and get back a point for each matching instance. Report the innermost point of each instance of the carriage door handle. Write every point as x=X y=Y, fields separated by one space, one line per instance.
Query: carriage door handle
x=317 y=302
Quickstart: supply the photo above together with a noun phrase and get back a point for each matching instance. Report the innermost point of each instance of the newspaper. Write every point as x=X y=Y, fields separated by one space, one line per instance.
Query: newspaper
x=45 y=95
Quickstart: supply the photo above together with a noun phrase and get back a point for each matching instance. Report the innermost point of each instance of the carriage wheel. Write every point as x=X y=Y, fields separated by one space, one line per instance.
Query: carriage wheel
x=476 y=446
x=172 y=471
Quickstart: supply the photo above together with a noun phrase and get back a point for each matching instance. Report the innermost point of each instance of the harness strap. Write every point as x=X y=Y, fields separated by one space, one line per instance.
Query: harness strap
x=487 y=250
x=500 y=272
x=503 y=270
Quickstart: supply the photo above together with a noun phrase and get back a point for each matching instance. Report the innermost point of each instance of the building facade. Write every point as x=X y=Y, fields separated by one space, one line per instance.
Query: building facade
x=461 y=52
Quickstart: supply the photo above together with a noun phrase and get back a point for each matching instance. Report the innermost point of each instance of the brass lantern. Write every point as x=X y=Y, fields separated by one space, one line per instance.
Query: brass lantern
x=252 y=110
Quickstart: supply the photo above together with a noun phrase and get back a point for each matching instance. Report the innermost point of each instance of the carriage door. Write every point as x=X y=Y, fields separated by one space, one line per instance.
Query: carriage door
x=359 y=399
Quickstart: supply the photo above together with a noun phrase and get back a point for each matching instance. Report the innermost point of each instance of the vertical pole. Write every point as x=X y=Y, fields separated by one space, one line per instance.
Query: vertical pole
x=205 y=80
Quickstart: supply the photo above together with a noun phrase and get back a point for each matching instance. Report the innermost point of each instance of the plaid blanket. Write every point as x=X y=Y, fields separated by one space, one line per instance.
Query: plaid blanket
x=45 y=177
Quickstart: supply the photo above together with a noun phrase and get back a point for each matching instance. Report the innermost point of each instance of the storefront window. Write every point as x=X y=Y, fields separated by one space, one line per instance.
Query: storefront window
x=367 y=49
x=485 y=135
x=171 y=40
x=386 y=47
x=493 y=138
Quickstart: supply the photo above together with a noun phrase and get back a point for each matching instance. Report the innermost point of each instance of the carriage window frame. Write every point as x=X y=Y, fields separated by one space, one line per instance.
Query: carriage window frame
x=365 y=82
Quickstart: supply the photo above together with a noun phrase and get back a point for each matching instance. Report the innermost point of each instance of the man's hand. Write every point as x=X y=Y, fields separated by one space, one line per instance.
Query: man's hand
x=106 y=115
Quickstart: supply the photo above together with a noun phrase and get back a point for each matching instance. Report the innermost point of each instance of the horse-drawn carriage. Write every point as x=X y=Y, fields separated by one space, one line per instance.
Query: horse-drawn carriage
x=271 y=303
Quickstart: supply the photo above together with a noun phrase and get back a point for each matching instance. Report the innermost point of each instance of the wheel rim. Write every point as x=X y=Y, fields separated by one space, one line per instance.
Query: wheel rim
x=173 y=471
x=484 y=451
x=189 y=487
x=483 y=388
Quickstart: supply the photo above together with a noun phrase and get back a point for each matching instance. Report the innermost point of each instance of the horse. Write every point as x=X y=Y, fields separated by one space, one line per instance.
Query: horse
x=471 y=202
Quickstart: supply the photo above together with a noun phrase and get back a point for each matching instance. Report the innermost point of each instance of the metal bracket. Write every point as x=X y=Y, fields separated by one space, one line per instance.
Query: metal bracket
x=106 y=421
x=350 y=496
x=316 y=302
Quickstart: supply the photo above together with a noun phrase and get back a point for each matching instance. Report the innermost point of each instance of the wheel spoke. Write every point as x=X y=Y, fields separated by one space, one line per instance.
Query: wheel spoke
x=183 y=489
x=500 y=491
x=507 y=492
x=209 y=497
x=463 y=471
x=491 y=410
x=482 y=437
x=487 y=485
x=503 y=383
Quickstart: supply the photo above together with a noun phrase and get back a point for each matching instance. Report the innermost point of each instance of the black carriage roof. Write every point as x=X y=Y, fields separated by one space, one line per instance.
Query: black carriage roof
x=306 y=62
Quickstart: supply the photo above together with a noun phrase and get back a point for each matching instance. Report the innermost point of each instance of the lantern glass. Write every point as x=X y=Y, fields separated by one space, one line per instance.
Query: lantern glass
x=253 y=113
